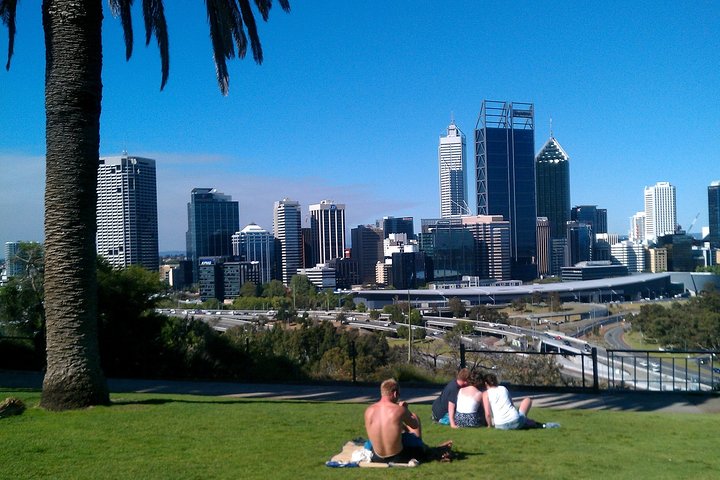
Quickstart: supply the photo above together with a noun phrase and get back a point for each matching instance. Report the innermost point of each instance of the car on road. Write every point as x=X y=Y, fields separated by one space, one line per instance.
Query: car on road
x=716 y=369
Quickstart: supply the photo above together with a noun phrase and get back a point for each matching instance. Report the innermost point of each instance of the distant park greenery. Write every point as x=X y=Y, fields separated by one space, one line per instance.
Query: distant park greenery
x=136 y=341
x=694 y=324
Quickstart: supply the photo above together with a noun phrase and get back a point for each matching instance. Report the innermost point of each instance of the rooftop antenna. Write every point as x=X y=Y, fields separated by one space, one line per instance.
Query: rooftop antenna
x=551 y=129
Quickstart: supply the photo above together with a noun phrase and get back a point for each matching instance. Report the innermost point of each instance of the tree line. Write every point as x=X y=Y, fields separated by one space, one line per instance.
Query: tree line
x=136 y=341
x=692 y=325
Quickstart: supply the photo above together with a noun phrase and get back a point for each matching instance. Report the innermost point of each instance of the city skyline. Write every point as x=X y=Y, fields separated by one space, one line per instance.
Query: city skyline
x=631 y=99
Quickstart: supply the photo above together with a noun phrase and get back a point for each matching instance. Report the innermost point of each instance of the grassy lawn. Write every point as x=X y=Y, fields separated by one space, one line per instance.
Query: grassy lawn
x=175 y=437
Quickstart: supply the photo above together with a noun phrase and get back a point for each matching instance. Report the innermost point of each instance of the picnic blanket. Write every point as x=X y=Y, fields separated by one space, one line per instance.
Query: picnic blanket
x=354 y=454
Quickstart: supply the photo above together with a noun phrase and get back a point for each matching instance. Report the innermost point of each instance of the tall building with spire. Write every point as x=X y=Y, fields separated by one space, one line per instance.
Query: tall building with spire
x=505 y=176
x=660 y=211
x=127 y=220
x=287 y=229
x=552 y=174
x=453 y=173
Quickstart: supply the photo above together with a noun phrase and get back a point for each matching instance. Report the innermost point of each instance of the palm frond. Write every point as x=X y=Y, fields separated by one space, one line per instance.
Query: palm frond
x=7 y=15
x=249 y=20
x=217 y=19
x=263 y=7
x=285 y=5
x=154 y=16
x=238 y=30
x=228 y=20
x=121 y=8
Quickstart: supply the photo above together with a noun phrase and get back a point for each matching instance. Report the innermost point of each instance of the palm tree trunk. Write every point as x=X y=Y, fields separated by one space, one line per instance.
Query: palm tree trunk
x=73 y=91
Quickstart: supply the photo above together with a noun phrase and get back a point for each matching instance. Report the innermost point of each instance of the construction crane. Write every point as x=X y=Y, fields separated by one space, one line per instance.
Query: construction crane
x=692 y=224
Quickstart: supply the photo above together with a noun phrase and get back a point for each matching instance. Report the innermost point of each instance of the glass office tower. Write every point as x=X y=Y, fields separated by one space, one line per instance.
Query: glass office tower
x=213 y=218
x=714 y=214
x=552 y=173
x=505 y=176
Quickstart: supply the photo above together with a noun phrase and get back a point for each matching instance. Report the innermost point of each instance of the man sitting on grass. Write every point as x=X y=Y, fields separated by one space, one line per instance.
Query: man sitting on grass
x=443 y=408
x=395 y=432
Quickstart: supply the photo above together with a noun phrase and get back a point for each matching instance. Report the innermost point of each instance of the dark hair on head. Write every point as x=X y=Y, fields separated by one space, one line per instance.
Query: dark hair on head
x=477 y=379
x=491 y=379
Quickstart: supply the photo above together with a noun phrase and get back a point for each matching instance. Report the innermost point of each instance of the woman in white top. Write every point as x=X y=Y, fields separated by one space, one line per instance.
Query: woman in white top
x=499 y=408
x=469 y=407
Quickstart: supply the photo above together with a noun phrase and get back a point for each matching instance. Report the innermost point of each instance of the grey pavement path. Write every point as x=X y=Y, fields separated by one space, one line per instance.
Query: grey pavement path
x=623 y=401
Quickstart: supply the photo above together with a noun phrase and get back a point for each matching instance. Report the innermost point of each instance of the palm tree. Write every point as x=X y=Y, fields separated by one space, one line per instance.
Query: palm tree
x=73 y=94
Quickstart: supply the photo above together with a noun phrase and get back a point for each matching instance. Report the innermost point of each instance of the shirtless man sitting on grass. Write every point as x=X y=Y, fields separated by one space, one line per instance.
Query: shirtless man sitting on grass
x=395 y=432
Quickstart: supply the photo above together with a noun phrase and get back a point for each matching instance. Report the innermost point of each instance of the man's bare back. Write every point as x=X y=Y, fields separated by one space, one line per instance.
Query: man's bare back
x=385 y=423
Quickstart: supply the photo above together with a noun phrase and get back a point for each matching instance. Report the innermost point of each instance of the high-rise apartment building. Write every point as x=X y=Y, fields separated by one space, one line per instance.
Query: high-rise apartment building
x=714 y=214
x=327 y=223
x=660 y=211
x=286 y=228
x=505 y=176
x=127 y=220
x=552 y=173
x=453 y=173
x=255 y=244
x=213 y=218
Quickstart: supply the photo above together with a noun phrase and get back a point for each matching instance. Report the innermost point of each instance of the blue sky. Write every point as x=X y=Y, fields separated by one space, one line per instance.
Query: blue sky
x=352 y=97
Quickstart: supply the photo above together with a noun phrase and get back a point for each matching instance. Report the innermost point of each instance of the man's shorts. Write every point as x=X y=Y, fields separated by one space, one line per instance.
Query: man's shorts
x=413 y=447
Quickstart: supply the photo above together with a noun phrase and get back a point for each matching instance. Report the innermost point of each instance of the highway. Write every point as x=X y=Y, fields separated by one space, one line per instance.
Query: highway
x=621 y=369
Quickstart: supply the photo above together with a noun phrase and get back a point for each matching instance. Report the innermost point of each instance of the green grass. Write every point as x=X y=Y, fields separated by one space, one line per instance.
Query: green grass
x=176 y=436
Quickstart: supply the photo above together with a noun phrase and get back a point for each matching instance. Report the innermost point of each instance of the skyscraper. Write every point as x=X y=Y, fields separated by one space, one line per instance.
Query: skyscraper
x=492 y=245
x=544 y=252
x=286 y=228
x=579 y=247
x=552 y=172
x=255 y=244
x=13 y=266
x=660 y=212
x=367 y=249
x=127 y=221
x=637 y=228
x=505 y=176
x=213 y=217
x=327 y=222
x=453 y=176
x=398 y=225
x=714 y=214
